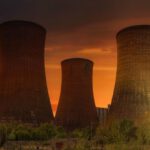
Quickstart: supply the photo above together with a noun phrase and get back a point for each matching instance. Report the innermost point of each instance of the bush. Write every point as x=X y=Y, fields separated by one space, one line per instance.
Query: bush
x=102 y=136
x=143 y=134
x=38 y=134
x=60 y=132
x=24 y=132
x=23 y=135
x=3 y=135
x=119 y=132
x=50 y=130
x=123 y=131
x=81 y=133
x=82 y=144
x=21 y=132
x=12 y=136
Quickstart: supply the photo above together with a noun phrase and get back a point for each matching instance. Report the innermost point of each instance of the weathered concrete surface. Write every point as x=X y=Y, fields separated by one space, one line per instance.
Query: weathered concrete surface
x=76 y=107
x=23 y=90
x=131 y=99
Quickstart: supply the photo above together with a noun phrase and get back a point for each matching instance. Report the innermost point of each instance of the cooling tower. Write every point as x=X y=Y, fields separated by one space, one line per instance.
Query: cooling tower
x=131 y=99
x=23 y=90
x=76 y=108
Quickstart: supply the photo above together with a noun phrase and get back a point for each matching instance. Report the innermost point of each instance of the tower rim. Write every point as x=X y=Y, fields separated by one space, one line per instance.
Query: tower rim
x=76 y=59
x=138 y=26
x=22 y=22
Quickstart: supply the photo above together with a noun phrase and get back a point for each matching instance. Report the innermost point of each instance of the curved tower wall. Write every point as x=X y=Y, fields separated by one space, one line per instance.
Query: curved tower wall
x=23 y=90
x=76 y=108
x=131 y=99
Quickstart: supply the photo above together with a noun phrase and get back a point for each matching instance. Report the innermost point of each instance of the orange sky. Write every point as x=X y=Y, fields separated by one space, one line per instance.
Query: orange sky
x=80 y=28
x=103 y=76
x=95 y=42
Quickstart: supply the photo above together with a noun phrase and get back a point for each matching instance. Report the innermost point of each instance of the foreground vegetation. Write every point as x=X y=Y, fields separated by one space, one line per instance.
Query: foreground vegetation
x=119 y=135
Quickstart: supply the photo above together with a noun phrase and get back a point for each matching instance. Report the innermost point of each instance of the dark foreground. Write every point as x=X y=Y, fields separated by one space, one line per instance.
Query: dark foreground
x=122 y=135
x=68 y=145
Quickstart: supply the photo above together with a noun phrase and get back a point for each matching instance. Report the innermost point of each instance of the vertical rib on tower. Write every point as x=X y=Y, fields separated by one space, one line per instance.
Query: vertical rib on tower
x=23 y=89
x=76 y=107
x=131 y=99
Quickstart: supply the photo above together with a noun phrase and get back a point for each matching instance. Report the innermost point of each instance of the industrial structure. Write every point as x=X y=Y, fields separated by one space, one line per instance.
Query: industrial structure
x=102 y=114
x=76 y=108
x=131 y=99
x=23 y=90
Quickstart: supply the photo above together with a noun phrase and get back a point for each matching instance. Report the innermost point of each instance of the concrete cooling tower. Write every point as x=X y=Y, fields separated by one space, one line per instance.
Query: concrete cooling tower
x=131 y=99
x=76 y=107
x=23 y=90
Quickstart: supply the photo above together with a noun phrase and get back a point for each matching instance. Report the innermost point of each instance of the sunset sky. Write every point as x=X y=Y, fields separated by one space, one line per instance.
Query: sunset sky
x=80 y=28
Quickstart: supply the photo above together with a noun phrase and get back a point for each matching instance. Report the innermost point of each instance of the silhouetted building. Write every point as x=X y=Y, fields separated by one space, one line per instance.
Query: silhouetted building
x=131 y=99
x=102 y=114
x=23 y=90
x=76 y=107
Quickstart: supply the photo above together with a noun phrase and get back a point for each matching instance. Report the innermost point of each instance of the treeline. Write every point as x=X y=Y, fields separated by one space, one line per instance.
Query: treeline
x=43 y=132
x=24 y=132
x=121 y=132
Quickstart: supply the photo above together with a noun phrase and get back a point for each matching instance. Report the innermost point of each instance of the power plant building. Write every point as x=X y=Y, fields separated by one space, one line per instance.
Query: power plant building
x=131 y=99
x=23 y=90
x=76 y=108
x=102 y=114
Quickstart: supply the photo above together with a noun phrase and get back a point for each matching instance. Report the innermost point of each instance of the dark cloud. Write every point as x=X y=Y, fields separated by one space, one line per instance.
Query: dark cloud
x=68 y=14
x=80 y=23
